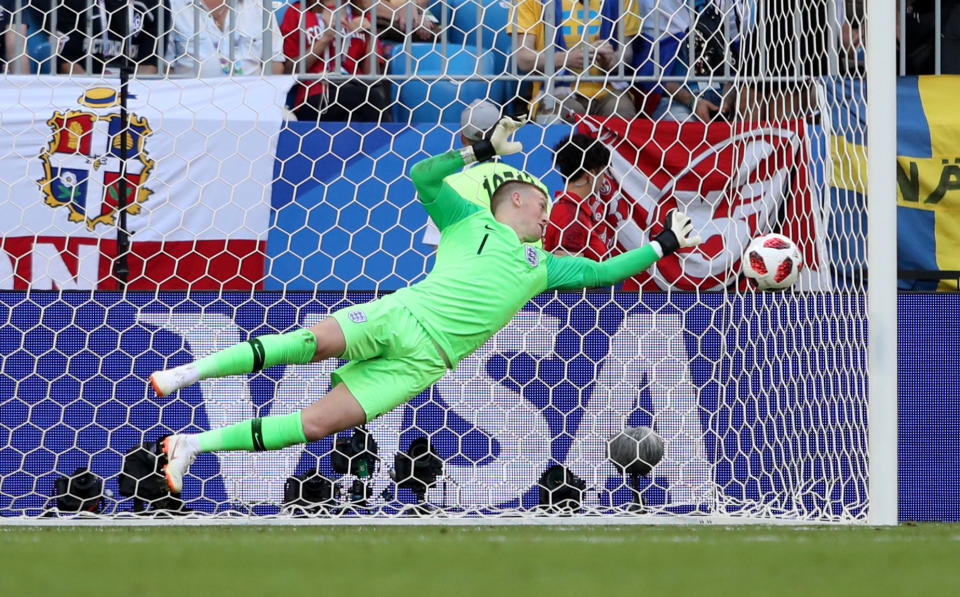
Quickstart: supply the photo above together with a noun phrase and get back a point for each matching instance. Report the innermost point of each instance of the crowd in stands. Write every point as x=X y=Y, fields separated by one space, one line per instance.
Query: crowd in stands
x=671 y=59
x=667 y=59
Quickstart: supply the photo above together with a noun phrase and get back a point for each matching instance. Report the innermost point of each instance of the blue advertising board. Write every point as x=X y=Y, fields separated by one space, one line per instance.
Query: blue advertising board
x=759 y=398
x=929 y=406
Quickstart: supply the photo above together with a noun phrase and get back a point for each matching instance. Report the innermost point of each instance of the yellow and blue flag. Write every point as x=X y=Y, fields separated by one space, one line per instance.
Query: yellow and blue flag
x=928 y=174
x=928 y=177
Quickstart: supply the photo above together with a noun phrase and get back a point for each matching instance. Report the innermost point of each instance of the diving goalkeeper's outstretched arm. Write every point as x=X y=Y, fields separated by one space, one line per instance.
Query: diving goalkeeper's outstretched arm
x=566 y=273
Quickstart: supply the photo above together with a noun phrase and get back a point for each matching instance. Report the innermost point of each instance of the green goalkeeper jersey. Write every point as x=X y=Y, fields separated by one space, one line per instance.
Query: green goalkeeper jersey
x=483 y=275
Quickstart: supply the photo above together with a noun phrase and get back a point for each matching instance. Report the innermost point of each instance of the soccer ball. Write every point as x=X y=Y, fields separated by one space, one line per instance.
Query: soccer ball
x=772 y=261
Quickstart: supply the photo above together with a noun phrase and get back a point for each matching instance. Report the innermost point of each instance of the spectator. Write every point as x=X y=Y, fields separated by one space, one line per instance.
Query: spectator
x=395 y=17
x=657 y=30
x=214 y=49
x=33 y=25
x=852 y=52
x=578 y=220
x=13 y=37
x=920 y=29
x=96 y=29
x=714 y=32
x=585 y=43
x=478 y=181
x=781 y=53
x=334 y=32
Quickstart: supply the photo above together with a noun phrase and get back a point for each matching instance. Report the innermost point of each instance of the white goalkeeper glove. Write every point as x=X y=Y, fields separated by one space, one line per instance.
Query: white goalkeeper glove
x=678 y=233
x=499 y=143
x=500 y=137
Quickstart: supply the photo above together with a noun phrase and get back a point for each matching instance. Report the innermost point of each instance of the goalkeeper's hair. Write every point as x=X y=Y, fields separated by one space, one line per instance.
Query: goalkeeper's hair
x=574 y=156
x=508 y=188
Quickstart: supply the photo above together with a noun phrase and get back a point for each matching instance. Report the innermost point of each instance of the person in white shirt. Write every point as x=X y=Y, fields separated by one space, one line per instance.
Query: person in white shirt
x=209 y=41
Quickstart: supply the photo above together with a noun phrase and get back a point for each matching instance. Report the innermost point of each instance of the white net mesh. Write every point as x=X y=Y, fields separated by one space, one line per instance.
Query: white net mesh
x=242 y=203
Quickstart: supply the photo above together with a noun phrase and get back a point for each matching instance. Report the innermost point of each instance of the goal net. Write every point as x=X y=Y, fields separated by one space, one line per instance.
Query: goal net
x=244 y=171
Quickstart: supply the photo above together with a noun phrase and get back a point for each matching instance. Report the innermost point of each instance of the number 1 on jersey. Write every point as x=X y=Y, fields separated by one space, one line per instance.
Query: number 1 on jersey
x=483 y=242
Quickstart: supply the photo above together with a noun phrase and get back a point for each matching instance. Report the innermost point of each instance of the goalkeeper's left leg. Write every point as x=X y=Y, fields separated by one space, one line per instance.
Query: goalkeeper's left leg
x=336 y=411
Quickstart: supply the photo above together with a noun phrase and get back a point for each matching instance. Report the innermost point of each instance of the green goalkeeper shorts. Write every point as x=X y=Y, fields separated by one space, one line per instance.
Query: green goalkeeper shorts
x=392 y=358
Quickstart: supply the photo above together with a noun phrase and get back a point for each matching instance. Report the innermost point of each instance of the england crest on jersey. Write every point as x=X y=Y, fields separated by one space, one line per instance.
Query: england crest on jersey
x=533 y=258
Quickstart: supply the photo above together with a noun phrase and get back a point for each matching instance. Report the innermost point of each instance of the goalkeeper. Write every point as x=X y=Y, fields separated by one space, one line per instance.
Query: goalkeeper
x=401 y=343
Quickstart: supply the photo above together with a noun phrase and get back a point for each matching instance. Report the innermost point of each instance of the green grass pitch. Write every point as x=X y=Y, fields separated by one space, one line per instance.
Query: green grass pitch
x=493 y=561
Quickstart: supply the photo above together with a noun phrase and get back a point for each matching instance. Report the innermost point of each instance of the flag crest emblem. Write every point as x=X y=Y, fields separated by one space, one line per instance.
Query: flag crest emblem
x=84 y=159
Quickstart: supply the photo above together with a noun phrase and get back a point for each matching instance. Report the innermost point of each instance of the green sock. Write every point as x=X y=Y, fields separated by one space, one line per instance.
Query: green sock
x=255 y=435
x=259 y=353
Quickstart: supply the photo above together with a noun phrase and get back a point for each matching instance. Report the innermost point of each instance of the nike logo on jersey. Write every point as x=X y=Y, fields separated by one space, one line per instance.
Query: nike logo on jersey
x=488 y=227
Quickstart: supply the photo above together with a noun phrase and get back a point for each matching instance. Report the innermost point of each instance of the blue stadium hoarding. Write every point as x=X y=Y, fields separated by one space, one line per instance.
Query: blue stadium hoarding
x=757 y=397
x=929 y=406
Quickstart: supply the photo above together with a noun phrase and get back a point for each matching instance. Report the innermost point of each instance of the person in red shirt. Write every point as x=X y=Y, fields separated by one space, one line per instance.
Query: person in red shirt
x=327 y=40
x=578 y=219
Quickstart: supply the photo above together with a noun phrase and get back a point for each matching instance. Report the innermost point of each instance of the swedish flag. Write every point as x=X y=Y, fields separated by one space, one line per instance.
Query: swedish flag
x=928 y=177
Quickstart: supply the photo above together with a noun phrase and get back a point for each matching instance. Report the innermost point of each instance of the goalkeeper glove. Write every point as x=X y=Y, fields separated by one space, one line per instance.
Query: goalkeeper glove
x=678 y=233
x=499 y=142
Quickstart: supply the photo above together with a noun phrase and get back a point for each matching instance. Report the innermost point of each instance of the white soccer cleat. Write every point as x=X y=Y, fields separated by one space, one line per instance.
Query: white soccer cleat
x=169 y=381
x=181 y=451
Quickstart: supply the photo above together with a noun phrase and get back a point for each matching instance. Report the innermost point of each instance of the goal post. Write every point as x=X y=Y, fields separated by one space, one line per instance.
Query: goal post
x=246 y=215
x=882 y=255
